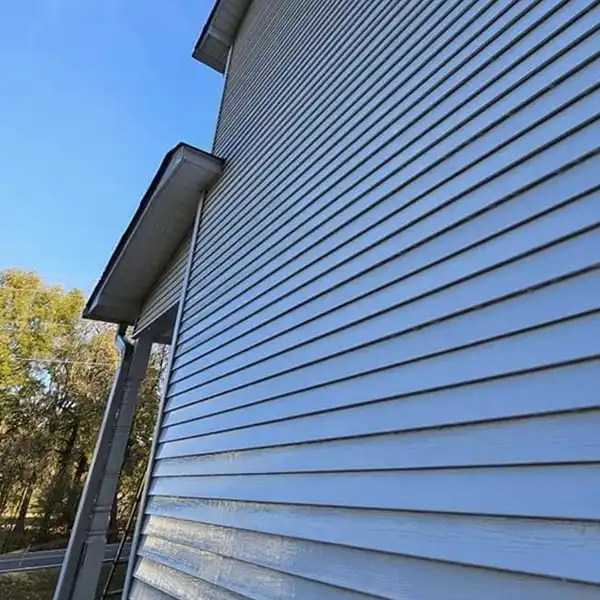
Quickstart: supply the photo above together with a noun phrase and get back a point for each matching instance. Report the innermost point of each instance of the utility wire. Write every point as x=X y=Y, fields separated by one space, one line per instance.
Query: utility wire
x=39 y=321
x=12 y=293
x=62 y=362
x=37 y=290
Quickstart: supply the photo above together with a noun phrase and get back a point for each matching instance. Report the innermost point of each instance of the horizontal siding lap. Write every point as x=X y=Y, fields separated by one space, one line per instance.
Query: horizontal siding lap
x=385 y=379
x=270 y=57
x=418 y=316
x=441 y=408
x=439 y=374
x=172 y=275
x=549 y=439
x=256 y=33
x=446 y=229
x=434 y=135
x=536 y=491
x=330 y=30
x=242 y=577
x=178 y=584
x=471 y=539
x=359 y=89
x=420 y=277
x=368 y=405
x=410 y=222
x=389 y=249
x=167 y=289
x=409 y=341
x=431 y=362
x=339 y=45
x=142 y=591
x=492 y=543
x=423 y=307
x=382 y=578
x=413 y=27
x=423 y=580
x=555 y=261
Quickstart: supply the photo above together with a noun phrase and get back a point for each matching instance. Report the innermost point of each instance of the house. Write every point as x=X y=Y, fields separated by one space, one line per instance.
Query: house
x=382 y=296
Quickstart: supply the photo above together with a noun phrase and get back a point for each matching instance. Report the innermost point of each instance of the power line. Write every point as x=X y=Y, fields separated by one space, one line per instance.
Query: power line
x=78 y=322
x=41 y=321
x=62 y=362
x=34 y=291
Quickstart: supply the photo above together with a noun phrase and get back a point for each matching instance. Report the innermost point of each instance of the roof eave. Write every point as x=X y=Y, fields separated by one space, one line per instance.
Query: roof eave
x=218 y=33
x=106 y=302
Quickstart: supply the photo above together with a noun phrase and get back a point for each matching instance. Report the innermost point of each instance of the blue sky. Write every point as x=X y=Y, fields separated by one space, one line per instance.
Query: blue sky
x=92 y=95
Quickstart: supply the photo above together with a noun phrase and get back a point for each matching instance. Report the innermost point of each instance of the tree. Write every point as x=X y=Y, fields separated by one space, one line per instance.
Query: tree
x=56 y=371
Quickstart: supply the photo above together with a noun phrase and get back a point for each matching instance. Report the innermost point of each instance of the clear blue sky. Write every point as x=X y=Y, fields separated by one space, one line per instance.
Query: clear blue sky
x=92 y=95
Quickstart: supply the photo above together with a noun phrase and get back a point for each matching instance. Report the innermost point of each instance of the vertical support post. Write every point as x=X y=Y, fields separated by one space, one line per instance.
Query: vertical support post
x=80 y=571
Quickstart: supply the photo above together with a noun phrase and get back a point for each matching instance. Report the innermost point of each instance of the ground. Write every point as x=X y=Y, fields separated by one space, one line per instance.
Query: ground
x=39 y=585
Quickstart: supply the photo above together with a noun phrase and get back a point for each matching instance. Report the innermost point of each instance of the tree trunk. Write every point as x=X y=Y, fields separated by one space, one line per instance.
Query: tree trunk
x=70 y=508
x=19 y=526
x=57 y=493
x=4 y=494
x=9 y=537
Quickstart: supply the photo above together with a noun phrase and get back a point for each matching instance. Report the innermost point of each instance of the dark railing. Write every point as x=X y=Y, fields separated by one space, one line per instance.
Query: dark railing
x=107 y=593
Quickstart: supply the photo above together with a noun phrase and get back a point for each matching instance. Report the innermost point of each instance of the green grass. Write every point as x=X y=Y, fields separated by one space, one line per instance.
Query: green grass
x=40 y=584
x=28 y=585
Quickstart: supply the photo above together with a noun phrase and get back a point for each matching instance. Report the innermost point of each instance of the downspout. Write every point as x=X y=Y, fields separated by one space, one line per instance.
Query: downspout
x=77 y=540
x=121 y=340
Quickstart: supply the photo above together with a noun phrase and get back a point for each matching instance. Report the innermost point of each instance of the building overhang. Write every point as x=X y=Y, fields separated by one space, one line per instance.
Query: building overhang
x=218 y=34
x=163 y=217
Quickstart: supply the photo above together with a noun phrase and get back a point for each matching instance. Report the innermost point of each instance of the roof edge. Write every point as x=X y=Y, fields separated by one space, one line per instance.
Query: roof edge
x=168 y=165
x=219 y=32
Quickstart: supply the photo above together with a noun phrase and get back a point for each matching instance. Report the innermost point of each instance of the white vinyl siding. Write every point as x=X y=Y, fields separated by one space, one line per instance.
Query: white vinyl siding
x=385 y=380
x=166 y=293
